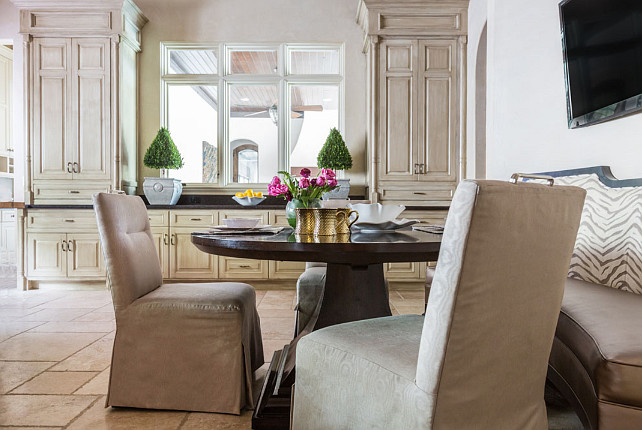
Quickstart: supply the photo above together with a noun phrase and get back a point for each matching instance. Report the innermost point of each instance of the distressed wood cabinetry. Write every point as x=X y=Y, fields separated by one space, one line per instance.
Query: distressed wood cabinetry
x=416 y=72
x=81 y=92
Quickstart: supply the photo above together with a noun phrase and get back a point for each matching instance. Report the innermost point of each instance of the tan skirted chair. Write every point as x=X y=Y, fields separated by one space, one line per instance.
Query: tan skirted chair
x=478 y=359
x=190 y=347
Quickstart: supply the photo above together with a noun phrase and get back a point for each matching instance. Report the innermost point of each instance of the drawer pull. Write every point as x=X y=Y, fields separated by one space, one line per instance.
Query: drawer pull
x=74 y=192
x=419 y=193
x=245 y=266
x=165 y=239
x=195 y=219
x=70 y=220
x=76 y=168
x=64 y=246
x=69 y=168
x=172 y=239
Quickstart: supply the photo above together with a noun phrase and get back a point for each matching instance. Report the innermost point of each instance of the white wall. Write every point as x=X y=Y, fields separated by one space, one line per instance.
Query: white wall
x=256 y=21
x=9 y=28
x=527 y=125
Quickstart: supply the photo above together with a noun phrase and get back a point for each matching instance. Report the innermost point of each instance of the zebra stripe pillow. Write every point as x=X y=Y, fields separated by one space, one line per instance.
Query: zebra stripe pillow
x=608 y=249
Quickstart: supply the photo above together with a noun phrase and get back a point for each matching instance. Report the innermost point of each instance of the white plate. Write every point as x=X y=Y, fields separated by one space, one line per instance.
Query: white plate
x=366 y=227
x=242 y=222
x=227 y=228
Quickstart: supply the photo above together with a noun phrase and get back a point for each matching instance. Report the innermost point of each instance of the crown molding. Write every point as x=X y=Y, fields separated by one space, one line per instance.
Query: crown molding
x=69 y=4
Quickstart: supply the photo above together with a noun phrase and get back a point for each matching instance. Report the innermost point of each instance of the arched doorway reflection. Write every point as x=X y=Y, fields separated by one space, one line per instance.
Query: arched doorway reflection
x=245 y=162
x=480 y=105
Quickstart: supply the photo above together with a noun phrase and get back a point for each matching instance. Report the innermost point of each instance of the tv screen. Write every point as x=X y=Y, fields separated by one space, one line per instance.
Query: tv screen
x=602 y=42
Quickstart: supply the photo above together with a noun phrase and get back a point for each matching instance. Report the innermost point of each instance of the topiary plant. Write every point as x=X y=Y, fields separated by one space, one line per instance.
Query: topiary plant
x=334 y=154
x=162 y=153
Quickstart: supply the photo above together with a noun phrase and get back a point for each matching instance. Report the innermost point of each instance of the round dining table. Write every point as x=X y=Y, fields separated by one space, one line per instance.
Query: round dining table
x=355 y=289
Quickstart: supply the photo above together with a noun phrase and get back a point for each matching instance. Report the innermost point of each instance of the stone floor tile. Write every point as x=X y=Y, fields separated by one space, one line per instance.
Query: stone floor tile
x=279 y=299
x=75 y=327
x=202 y=421
x=276 y=313
x=412 y=294
x=413 y=309
x=277 y=328
x=100 y=418
x=55 y=383
x=97 y=316
x=45 y=346
x=47 y=315
x=30 y=410
x=98 y=385
x=11 y=328
x=271 y=345
x=14 y=373
x=94 y=358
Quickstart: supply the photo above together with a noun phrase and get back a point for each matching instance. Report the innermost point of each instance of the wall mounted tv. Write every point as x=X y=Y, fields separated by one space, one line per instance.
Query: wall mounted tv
x=602 y=42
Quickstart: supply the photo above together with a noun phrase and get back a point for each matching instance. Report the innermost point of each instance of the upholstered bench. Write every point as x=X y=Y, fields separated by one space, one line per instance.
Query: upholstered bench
x=596 y=359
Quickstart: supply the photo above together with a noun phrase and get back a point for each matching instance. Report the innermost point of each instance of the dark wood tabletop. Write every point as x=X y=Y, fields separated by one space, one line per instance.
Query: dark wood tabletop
x=355 y=249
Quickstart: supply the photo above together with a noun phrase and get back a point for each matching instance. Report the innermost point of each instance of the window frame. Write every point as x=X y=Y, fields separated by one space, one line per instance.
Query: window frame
x=223 y=80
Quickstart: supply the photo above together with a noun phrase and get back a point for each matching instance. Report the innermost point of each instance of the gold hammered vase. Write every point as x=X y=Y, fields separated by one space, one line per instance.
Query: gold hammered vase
x=325 y=222
x=304 y=221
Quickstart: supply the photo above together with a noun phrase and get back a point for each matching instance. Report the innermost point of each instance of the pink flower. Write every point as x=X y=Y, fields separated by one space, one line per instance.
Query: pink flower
x=275 y=181
x=277 y=190
x=328 y=173
x=289 y=196
x=304 y=182
x=332 y=182
x=305 y=172
x=320 y=181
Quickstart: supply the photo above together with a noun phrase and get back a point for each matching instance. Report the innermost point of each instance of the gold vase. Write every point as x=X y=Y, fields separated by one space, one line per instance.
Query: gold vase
x=305 y=221
x=325 y=222
x=343 y=220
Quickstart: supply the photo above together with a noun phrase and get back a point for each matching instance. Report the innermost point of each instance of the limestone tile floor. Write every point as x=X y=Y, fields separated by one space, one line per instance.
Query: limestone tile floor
x=55 y=351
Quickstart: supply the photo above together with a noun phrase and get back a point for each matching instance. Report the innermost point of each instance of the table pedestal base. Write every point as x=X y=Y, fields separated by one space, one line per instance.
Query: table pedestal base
x=351 y=293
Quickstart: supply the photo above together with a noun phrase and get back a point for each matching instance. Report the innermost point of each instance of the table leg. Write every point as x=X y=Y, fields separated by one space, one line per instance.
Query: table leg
x=353 y=293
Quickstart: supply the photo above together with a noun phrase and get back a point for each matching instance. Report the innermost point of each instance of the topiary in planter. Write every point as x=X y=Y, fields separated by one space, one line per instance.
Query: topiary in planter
x=163 y=153
x=334 y=154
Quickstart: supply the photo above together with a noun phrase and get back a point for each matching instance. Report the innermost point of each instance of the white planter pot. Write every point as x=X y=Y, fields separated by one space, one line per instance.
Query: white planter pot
x=341 y=192
x=162 y=191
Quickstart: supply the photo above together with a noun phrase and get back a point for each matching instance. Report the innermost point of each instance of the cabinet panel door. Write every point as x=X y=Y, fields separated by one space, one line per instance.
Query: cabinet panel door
x=161 y=241
x=397 y=116
x=52 y=134
x=8 y=242
x=84 y=256
x=410 y=270
x=6 y=88
x=45 y=255
x=186 y=260
x=438 y=110
x=91 y=108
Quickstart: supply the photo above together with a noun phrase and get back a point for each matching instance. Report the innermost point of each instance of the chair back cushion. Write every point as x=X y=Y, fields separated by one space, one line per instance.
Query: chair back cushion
x=494 y=303
x=130 y=255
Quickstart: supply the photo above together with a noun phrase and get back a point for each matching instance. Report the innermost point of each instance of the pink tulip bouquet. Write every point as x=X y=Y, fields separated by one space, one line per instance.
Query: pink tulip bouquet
x=305 y=189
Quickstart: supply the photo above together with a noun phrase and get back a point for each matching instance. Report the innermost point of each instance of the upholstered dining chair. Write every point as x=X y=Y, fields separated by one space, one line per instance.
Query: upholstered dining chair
x=479 y=357
x=190 y=347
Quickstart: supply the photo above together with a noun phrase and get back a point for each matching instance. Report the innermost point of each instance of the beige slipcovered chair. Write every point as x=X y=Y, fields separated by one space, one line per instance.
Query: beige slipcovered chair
x=189 y=347
x=478 y=359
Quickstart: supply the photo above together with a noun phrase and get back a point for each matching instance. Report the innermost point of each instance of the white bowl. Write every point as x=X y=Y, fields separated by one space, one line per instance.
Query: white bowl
x=241 y=222
x=377 y=213
x=248 y=201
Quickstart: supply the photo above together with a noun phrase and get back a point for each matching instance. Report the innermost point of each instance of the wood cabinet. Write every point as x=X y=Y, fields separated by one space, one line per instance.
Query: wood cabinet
x=6 y=98
x=62 y=245
x=416 y=97
x=78 y=137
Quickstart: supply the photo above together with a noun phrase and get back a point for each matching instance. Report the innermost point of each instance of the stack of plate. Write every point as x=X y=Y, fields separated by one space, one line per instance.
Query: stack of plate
x=259 y=229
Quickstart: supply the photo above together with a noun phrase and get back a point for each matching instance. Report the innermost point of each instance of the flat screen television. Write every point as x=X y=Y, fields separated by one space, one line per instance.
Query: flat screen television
x=602 y=43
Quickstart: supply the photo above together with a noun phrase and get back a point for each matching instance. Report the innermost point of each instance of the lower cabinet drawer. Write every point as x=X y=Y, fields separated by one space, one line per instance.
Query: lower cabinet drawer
x=57 y=220
x=52 y=193
x=242 y=268
x=425 y=194
x=405 y=271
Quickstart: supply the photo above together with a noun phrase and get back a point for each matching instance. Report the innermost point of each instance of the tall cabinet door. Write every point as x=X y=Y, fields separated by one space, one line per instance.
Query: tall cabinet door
x=397 y=113
x=437 y=110
x=6 y=88
x=52 y=136
x=91 y=91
